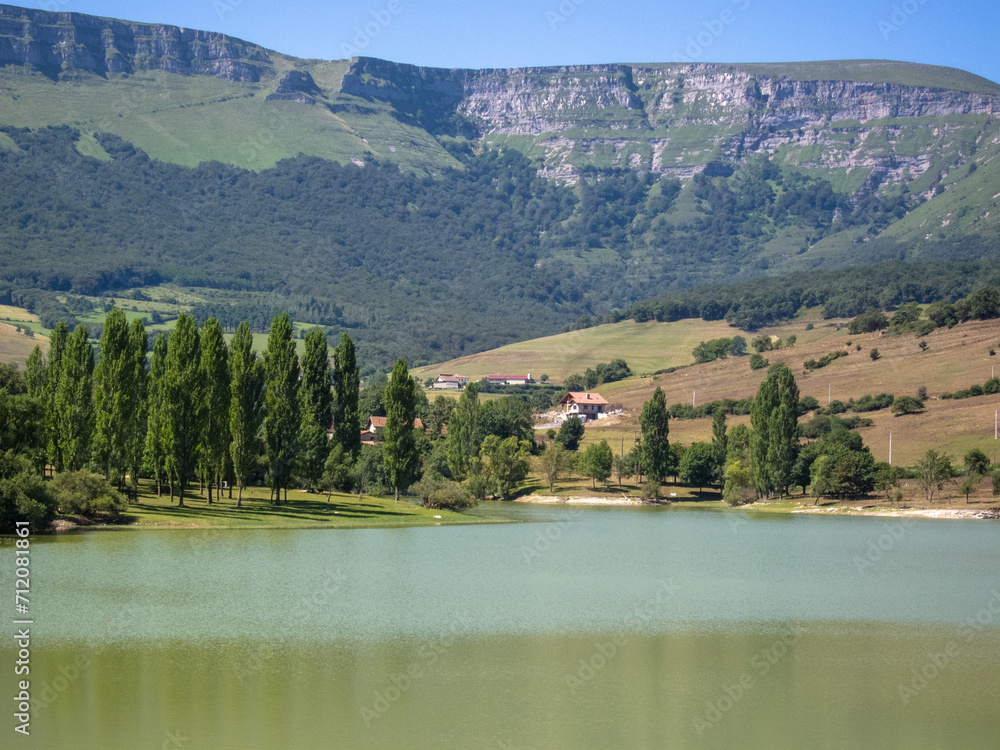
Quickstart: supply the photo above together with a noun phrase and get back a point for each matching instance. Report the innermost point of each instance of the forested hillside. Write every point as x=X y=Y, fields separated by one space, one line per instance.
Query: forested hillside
x=428 y=267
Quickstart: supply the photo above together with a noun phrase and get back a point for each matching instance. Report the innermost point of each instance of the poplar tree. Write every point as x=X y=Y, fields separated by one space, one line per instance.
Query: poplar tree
x=137 y=416
x=399 y=451
x=719 y=444
x=655 y=447
x=34 y=374
x=53 y=371
x=316 y=396
x=774 y=438
x=462 y=427
x=281 y=401
x=75 y=402
x=154 y=456
x=246 y=405
x=183 y=403
x=114 y=397
x=347 y=381
x=215 y=423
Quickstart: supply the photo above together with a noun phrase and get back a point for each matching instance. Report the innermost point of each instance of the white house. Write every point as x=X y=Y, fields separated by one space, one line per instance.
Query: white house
x=510 y=379
x=452 y=382
x=584 y=405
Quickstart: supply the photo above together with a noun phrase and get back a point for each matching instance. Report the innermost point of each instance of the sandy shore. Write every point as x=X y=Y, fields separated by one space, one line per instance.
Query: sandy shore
x=553 y=500
x=968 y=514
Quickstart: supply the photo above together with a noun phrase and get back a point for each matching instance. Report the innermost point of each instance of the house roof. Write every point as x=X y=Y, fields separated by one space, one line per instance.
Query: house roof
x=451 y=378
x=376 y=422
x=583 y=397
x=507 y=377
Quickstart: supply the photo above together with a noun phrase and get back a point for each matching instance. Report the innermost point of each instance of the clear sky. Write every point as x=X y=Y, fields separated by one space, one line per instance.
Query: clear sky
x=512 y=33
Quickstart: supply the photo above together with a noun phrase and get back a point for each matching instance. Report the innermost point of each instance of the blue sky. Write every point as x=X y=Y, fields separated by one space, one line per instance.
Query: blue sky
x=513 y=33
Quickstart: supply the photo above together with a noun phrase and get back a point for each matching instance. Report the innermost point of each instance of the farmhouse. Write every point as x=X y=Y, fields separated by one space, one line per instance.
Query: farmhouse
x=375 y=423
x=454 y=381
x=584 y=405
x=510 y=379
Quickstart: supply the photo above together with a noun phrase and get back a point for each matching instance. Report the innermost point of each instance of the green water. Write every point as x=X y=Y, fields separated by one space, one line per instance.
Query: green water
x=603 y=628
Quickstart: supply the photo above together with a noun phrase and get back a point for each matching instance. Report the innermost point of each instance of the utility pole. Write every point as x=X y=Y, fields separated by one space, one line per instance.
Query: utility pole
x=890 y=447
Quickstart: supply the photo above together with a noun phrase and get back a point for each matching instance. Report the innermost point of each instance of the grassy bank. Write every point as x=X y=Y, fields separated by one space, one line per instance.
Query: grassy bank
x=303 y=510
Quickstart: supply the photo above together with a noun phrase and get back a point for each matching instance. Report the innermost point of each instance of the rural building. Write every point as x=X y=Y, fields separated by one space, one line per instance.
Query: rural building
x=510 y=379
x=454 y=381
x=584 y=405
x=375 y=423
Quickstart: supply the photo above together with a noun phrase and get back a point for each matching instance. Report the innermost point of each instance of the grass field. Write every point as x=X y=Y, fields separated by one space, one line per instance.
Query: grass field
x=303 y=510
x=646 y=347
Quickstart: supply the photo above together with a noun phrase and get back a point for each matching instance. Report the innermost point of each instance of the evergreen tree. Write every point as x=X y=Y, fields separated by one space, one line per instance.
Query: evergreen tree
x=399 y=450
x=136 y=422
x=215 y=422
x=281 y=403
x=655 y=424
x=113 y=397
x=183 y=403
x=246 y=406
x=347 y=418
x=462 y=428
x=53 y=372
x=75 y=402
x=316 y=396
x=154 y=455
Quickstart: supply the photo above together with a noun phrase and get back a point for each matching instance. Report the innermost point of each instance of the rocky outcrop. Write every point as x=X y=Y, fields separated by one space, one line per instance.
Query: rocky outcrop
x=296 y=86
x=63 y=43
x=674 y=119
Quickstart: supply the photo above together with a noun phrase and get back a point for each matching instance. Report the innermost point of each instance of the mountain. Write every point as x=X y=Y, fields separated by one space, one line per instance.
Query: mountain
x=468 y=208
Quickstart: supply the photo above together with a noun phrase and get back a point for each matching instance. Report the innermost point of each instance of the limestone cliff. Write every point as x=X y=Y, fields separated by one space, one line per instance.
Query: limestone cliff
x=62 y=43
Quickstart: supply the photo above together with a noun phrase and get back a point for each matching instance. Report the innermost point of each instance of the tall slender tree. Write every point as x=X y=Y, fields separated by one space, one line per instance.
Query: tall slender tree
x=75 y=401
x=154 y=454
x=53 y=372
x=139 y=397
x=462 y=428
x=246 y=405
x=347 y=381
x=399 y=451
x=34 y=374
x=655 y=424
x=281 y=400
x=774 y=438
x=183 y=403
x=719 y=444
x=215 y=424
x=316 y=396
x=114 y=397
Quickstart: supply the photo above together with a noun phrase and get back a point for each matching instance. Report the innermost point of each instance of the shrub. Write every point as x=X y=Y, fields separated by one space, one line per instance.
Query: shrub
x=651 y=490
x=23 y=496
x=444 y=494
x=874 y=354
x=907 y=405
x=758 y=362
x=873 y=320
x=87 y=494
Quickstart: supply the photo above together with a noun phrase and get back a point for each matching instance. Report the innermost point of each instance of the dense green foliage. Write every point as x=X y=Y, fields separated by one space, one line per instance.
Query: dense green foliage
x=991 y=386
x=432 y=267
x=654 y=421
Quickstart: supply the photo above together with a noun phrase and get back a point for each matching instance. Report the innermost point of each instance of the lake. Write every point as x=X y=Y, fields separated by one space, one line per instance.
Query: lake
x=589 y=628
